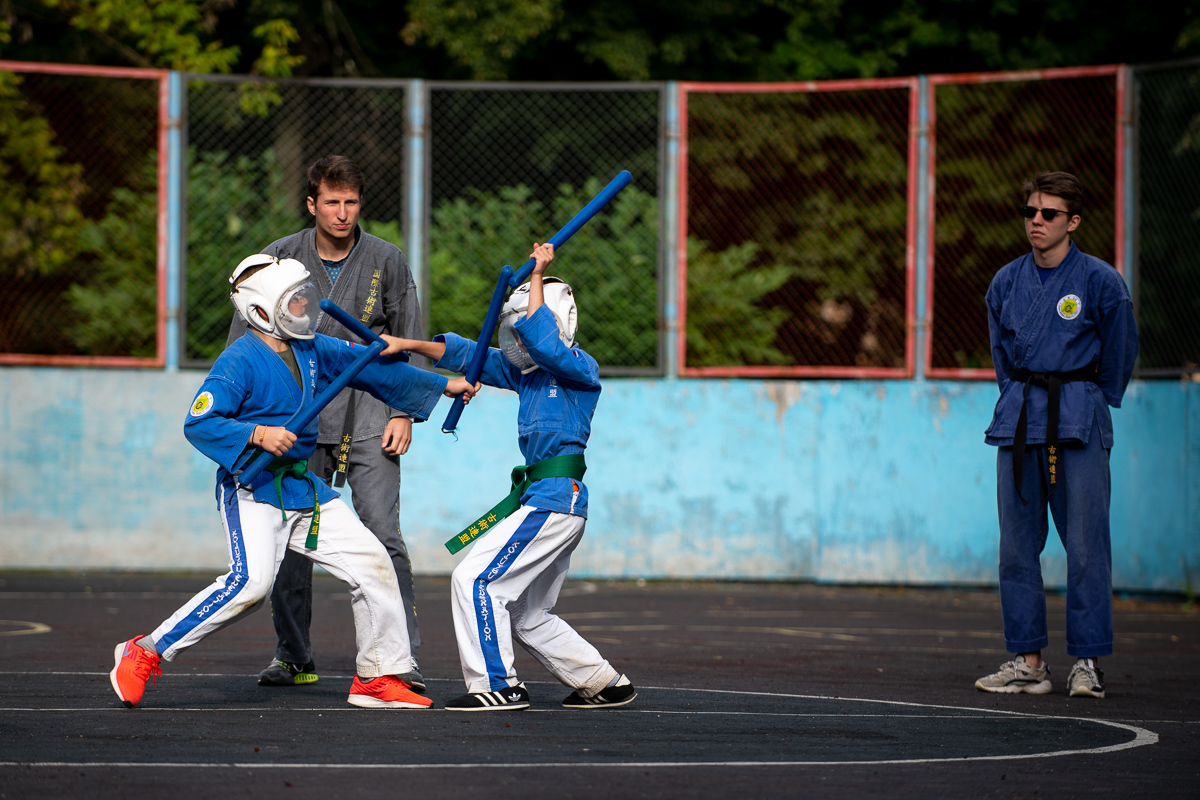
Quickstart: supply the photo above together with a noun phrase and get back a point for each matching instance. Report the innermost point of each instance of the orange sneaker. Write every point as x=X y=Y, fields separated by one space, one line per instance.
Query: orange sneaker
x=135 y=666
x=386 y=692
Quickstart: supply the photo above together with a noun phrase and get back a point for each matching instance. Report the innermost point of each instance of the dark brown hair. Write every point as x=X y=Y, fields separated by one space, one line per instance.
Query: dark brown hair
x=1060 y=184
x=338 y=172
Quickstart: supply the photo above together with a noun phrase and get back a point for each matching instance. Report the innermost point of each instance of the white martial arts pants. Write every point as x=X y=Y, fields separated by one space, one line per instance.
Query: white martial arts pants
x=505 y=590
x=258 y=535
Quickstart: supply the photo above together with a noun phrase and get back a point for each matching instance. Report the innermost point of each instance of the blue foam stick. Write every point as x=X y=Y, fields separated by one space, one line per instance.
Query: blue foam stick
x=308 y=413
x=516 y=278
x=598 y=202
x=475 y=367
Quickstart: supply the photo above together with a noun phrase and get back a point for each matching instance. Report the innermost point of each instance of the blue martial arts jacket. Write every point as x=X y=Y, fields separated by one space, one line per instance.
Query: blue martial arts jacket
x=250 y=384
x=1081 y=316
x=557 y=402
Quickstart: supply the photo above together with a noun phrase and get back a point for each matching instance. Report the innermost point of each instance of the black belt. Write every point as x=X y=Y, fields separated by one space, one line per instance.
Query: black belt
x=1052 y=382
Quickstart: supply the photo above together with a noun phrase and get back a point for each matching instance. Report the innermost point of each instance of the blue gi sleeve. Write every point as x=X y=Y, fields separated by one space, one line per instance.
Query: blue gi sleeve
x=497 y=370
x=539 y=334
x=1118 y=334
x=400 y=385
x=999 y=353
x=212 y=425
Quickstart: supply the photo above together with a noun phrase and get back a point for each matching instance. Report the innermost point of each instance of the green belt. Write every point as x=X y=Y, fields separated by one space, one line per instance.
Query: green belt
x=281 y=467
x=569 y=466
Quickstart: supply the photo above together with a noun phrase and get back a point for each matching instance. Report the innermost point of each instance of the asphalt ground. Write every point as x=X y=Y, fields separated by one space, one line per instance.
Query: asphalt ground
x=744 y=690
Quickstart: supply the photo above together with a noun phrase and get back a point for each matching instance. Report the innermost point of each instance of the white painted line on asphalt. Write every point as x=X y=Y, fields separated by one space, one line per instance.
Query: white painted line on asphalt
x=1141 y=738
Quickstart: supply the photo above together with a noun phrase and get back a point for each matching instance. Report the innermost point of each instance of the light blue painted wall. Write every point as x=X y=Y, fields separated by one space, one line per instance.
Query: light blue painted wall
x=837 y=481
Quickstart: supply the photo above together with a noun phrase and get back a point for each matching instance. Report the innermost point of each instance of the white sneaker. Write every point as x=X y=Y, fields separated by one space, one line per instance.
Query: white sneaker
x=1086 y=679
x=1015 y=677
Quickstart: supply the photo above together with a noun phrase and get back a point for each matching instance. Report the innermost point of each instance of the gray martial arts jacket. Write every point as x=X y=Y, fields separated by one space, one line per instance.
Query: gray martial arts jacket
x=376 y=286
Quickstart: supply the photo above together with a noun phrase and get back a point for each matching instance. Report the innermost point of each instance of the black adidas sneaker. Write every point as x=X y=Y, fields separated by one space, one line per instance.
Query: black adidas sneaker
x=619 y=694
x=514 y=698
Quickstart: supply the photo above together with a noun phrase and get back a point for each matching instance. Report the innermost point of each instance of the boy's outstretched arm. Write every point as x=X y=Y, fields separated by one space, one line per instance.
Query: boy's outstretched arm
x=431 y=350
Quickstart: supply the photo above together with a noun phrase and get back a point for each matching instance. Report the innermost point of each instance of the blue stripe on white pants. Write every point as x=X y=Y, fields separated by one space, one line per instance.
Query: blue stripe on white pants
x=259 y=535
x=516 y=602
x=485 y=616
x=238 y=592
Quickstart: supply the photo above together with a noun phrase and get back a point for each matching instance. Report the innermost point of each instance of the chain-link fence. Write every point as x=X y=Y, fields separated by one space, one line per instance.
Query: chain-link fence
x=797 y=228
x=79 y=203
x=1167 y=274
x=993 y=133
x=249 y=148
x=801 y=223
x=510 y=165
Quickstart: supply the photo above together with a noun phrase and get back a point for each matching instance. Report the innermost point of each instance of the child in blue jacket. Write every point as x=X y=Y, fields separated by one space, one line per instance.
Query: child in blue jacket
x=255 y=387
x=504 y=591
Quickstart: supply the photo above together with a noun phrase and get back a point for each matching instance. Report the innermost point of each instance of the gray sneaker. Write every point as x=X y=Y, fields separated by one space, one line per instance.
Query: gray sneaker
x=281 y=673
x=414 y=680
x=1086 y=679
x=1015 y=677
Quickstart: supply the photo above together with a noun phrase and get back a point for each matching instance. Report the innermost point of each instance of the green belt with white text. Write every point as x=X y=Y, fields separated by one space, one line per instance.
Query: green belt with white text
x=281 y=467
x=568 y=466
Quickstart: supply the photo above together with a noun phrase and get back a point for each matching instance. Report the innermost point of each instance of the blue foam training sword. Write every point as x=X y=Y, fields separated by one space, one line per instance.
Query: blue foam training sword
x=515 y=278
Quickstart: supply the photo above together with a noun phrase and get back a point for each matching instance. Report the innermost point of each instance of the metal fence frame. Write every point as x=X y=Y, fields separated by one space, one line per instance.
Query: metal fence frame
x=1133 y=184
x=167 y=122
x=1122 y=123
x=685 y=88
x=411 y=224
x=422 y=89
x=672 y=196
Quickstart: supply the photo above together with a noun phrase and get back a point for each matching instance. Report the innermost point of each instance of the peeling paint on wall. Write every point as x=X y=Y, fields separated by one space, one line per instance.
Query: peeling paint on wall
x=834 y=481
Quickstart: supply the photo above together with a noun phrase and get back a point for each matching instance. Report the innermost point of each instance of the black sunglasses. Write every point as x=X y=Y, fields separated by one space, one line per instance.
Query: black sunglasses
x=1048 y=214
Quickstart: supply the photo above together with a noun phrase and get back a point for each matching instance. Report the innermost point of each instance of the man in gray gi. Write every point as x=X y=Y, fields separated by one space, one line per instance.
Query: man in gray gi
x=361 y=439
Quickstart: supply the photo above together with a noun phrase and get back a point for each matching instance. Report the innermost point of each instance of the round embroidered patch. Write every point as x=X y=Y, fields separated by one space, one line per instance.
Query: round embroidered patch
x=202 y=404
x=1069 y=307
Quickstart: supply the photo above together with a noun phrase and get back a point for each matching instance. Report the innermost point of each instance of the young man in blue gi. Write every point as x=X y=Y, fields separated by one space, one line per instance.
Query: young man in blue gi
x=253 y=390
x=1064 y=343
x=506 y=588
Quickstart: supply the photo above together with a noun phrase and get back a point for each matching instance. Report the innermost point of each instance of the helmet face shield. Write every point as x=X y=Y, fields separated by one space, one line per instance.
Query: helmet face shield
x=277 y=297
x=510 y=343
x=560 y=300
x=296 y=315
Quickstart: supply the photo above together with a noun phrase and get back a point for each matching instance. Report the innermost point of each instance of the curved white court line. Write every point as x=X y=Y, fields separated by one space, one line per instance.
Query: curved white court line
x=30 y=627
x=1142 y=738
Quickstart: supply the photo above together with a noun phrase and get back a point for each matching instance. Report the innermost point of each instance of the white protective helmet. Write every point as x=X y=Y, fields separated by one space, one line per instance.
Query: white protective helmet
x=558 y=298
x=281 y=292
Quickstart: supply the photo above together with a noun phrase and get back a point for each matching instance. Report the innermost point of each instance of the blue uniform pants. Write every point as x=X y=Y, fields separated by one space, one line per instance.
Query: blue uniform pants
x=1080 y=508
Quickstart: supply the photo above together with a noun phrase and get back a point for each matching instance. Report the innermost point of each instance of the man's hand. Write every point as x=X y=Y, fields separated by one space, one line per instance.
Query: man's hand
x=397 y=436
x=457 y=386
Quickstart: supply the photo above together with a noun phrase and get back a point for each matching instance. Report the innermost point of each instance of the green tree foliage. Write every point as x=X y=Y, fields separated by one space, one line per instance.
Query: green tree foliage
x=483 y=36
x=114 y=301
x=1167 y=292
x=39 y=191
x=991 y=139
x=766 y=40
x=727 y=322
x=818 y=184
x=236 y=207
x=610 y=262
